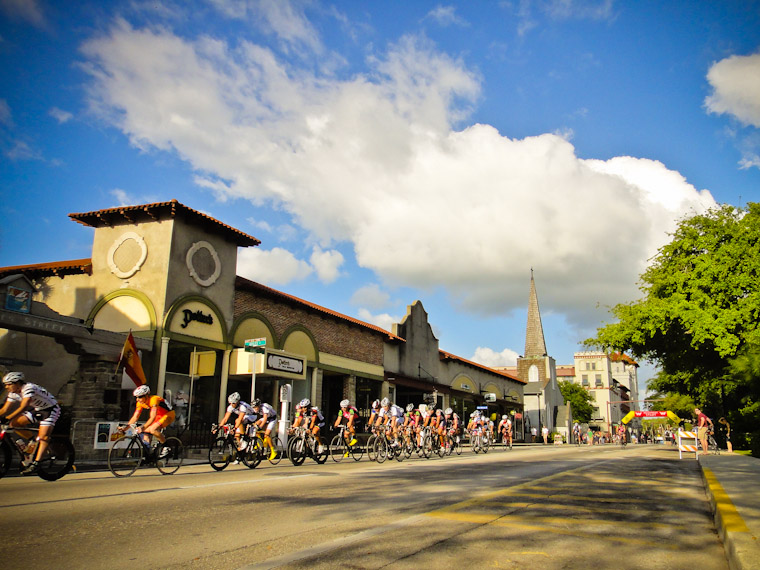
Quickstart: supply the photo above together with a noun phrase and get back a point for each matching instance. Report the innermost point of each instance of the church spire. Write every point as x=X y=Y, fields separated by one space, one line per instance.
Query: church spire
x=535 y=345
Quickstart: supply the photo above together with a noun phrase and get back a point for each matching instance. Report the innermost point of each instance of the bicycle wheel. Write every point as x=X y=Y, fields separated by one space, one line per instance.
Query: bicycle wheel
x=337 y=448
x=485 y=444
x=458 y=444
x=449 y=448
x=58 y=459
x=125 y=456
x=275 y=452
x=6 y=456
x=356 y=451
x=220 y=453
x=427 y=447
x=371 y=447
x=321 y=451
x=252 y=454
x=170 y=455
x=381 y=449
x=297 y=450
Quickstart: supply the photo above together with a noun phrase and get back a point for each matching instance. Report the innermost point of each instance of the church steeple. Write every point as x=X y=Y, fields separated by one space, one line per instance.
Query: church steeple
x=535 y=344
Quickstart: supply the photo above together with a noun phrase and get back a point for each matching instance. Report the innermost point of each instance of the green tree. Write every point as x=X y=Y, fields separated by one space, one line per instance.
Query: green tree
x=698 y=319
x=579 y=399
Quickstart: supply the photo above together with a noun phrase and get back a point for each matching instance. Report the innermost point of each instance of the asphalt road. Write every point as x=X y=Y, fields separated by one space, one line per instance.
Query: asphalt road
x=531 y=508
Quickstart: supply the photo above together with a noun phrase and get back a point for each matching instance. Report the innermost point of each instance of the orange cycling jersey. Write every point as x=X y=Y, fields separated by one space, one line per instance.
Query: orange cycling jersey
x=162 y=408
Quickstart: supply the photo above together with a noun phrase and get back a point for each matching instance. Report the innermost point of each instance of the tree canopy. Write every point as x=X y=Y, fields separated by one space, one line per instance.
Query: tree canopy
x=698 y=319
x=579 y=399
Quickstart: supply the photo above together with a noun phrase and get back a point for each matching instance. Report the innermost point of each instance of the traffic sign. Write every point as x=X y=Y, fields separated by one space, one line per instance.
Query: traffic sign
x=255 y=344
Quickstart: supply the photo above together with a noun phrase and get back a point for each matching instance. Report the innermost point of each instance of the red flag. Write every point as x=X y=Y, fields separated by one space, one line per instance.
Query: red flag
x=131 y=361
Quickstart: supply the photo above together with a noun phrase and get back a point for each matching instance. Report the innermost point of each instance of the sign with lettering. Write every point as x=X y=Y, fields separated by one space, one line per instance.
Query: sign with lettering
x=255 y=344
x=196 y=319
x=280 y=363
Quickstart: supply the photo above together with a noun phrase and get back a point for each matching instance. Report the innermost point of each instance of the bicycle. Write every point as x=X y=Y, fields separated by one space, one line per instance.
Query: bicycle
x=339 y=447
x=506 y=440
x=225 y=449
x=478 y=441
x=131 y=451
x=57 y=461
x=266 y=449
x=386 y=446
x=712 y=445
x=305 y=444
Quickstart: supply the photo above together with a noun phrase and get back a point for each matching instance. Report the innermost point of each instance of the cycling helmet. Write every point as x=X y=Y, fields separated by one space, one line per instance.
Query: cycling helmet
x=233 y=398
x=141 y=391
x=504 y=417
x=305 y=403
x=375 y=404
x=448 y=411
x=344 y=403
x=256 y=403
x=13 y=378
x=409 y=407
x=385 y=403
x=476 y=414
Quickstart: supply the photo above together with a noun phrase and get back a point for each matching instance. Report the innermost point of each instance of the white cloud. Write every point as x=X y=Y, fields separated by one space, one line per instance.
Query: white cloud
x=60 y=115
x=381 y=161
x=371 y=296
x=383 y=320
x=446 y=16
x=326 y=264
x=276 y=266
x=489 y=357
x=736 y=88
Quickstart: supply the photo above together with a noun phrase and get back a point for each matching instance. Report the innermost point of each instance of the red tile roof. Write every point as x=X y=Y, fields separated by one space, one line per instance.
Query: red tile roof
x=448 y=356
x=621 y=356
x=55 y=268
x=247 y=285
x=161 y=210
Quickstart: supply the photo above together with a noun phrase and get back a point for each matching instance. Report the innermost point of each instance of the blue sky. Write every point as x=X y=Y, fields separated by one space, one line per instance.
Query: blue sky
x=386 y=152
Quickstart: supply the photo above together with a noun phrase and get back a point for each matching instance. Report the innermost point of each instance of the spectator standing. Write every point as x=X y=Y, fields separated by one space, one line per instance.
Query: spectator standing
x=727 y=425
x=545 y=434
x=533 y=434
x=702 y=422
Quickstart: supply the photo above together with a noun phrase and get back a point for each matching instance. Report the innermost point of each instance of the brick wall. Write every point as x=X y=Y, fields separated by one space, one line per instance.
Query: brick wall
x=331 y=333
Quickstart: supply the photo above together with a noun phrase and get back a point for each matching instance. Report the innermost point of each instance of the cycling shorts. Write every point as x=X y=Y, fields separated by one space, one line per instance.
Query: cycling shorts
x=165 y=420
x=46 y=417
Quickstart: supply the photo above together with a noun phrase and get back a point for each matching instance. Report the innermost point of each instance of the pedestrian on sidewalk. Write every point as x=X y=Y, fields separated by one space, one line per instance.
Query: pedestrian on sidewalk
x=702 y=422
x=545 y=434
x=727 y=425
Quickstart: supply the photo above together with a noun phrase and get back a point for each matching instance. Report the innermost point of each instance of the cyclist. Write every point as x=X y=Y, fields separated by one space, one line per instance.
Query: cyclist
x=30 y=405
x=577 y=433
x=392 y=415
x=451 y=422
x=412 y=420
x=440 y=425
x=161 y=415
x=266 y=420
x=307 y=414
x=373 y=414
x=505 y=428
x=475 y=421
x=245 y=416
x=349 y=415
x=621 y=434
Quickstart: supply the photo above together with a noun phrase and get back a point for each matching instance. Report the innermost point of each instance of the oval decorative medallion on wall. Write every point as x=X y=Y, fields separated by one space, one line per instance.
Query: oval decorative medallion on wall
x=127 y=255
x=203 y=263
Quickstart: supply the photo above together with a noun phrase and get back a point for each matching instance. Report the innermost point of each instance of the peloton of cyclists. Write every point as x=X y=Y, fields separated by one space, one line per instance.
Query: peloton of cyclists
x=245 y=416
x=30 y=405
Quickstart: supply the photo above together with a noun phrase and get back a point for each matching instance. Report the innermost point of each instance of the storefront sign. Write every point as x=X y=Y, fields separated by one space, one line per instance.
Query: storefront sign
x=197 y=316
x=278 y=363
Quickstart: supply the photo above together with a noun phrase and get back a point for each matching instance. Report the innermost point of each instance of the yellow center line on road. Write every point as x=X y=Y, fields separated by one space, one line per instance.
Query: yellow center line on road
x=732 y=520
x=559 y=507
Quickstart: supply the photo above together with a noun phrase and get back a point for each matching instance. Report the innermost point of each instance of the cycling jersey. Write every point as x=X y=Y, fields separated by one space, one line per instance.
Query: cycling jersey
x=39 y=398
x=241 y=408
x=348 y=413
x=414 y=417
x=309 y=413
x=268 y=411
x=162 y=407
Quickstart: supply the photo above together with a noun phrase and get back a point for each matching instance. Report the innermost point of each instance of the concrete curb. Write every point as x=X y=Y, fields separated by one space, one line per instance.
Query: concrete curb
x=740 y=545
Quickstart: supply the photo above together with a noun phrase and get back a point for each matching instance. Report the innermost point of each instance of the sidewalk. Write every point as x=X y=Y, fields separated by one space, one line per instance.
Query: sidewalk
x=732 y=483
